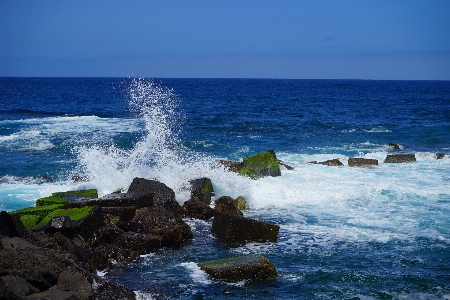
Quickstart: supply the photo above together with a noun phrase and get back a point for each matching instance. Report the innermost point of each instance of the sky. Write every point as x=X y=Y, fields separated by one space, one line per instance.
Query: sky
x=301 y=39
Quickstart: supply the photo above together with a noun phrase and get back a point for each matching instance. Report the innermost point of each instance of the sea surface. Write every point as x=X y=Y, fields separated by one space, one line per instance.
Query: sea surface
x=380 y=232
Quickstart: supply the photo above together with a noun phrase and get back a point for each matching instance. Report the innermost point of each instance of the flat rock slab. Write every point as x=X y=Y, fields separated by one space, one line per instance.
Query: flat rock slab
x=400 y=158
x=235 y=230
x=249 y=267
x=361 y=162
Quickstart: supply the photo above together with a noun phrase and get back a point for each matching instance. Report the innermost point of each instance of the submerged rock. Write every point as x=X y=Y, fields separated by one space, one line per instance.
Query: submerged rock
x=249 y=267
x=332 y=162
x=235 y=230
x=439 y=155
x=400 y=158
x=360 y=162
x=394 y=146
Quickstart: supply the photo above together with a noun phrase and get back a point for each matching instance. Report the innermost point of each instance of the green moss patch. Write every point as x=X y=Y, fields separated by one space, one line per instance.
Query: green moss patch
x=51 y=200
x=91 y=194
x=261 y=164
x=74 y=214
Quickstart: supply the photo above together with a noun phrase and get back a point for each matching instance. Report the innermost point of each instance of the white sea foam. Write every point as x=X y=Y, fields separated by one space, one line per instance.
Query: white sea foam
x=197 y=275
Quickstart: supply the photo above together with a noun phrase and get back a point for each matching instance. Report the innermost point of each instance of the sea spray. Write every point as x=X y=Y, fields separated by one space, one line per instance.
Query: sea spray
x=159 y=154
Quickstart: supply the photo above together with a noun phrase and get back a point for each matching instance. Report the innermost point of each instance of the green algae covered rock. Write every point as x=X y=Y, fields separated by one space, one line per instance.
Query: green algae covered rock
x=236 y=230
x=52 y=206
x=260 y=165
x=249 y=267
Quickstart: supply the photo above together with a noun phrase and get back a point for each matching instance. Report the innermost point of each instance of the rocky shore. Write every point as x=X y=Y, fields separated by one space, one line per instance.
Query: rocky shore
x=53 y=250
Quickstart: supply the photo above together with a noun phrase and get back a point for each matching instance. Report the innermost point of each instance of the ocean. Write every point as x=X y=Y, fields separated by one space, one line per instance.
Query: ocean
x=379 y=232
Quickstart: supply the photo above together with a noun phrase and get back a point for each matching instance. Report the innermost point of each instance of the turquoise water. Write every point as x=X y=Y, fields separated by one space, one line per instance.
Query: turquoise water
x=345 y=233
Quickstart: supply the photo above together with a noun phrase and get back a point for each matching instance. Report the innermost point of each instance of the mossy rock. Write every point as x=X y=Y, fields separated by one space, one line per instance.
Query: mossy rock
x=50 y=200
x=52 y=206
x=64 y=197
x=249 y=267
x=74 y=214
x=260 y=165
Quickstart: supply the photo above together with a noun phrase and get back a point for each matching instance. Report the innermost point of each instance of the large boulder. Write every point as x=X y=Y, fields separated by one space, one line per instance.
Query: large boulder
x=163 y=196
x=400 y=158
x=361 y=162
x=235 y=230
x=261 y=165
x=227 y=205
x=7 y=226
x=249 y=267
x=256 y=166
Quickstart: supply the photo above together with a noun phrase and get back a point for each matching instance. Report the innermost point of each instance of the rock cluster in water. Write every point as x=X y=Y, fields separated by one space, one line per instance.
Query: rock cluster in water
x=52 y=251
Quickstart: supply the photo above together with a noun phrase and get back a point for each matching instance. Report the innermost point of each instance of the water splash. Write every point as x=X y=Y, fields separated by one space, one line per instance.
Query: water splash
x=159 y=154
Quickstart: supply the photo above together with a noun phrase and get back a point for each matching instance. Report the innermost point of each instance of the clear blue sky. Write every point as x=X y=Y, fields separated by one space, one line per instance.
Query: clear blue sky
x=355 y=39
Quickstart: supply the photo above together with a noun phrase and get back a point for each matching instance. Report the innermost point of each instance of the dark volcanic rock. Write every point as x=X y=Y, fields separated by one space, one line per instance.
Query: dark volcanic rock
x=249 y=267
x=102 y=235
x=110 y=291
x=332 y=162
x=140 y=242
x=61 y=224
x=261 y=165
x=7 y=226
x=197 y=209
x=360 y=162
x=170 y=226
x=235 y=230
x=163 y=196
x=399 y=158
x=439 y=155
x=227 y=205
x=202 y=189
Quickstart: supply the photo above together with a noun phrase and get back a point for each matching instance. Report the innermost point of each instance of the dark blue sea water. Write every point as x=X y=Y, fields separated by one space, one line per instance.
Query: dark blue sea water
x=346 y=233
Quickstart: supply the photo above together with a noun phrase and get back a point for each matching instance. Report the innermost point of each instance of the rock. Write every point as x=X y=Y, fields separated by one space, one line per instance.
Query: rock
x=73 y=280
x=102 y=235
x=202 y=189
x=110 y=291
x=439 y=155
x=197 y=209
x=15 y=287
x=281 y=163
x=394 y=146
x=261 y=165
x=74 y=246
x=399 y=158
x=235 y=230
x=360 y=162
x=249 y=267
x=227 y=205
x=52 y=294
x=7 y=226
x=332 y=162
x=61 y=224
x=170 y=226
x=241 y=203
x=232 y=166
x=14 y=243
x=162 y=195
x=142 y=243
